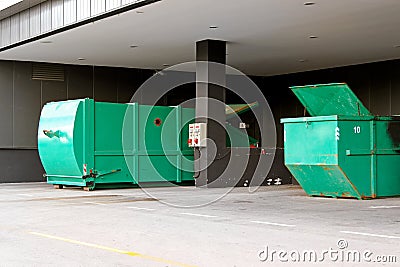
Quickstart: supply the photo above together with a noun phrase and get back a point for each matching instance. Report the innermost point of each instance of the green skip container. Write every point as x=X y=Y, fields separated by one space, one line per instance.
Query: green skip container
x=342 y=150
x=96 y=144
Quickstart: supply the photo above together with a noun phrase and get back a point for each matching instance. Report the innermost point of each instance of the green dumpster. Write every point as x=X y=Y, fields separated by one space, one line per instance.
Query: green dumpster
x=342 y=150
x=96 y=144
x=92 y=144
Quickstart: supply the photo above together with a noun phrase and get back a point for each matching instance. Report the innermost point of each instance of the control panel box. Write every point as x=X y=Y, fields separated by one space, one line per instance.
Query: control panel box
x=197 y=135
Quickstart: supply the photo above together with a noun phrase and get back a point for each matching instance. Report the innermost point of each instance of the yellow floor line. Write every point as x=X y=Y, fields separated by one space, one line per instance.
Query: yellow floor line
x=129 y=253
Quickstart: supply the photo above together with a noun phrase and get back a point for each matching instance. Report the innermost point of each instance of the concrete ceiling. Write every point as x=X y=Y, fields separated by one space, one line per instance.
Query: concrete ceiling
x=265 y=37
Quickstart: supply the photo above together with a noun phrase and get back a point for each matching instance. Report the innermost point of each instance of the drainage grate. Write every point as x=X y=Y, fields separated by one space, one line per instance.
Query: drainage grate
x=48 y=72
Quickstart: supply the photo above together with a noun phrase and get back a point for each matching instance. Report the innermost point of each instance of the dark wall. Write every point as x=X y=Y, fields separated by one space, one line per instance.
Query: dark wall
x=21 y=100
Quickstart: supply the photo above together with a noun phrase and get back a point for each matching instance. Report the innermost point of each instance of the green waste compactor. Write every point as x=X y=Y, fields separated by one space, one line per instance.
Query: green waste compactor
x=97 y=144
x=342 y=150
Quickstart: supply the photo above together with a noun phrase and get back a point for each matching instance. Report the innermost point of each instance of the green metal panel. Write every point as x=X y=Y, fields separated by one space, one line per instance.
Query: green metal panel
x=322 y=149
x=60 y=138
x=65 y=141
x=157 y=168
x=238 y=137
x=388 y=156
x=187 y=159
x=163 y=133
x=235 y=109
x=330 y=99
x=342 y=155
x=328 y=118
x=354 y=153
x=150 y=133
x=324 y=180
x=110 y=164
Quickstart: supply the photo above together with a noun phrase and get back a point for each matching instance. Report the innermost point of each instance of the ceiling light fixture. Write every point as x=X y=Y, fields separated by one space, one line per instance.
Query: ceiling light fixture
x=133 y=46
x=46 y=42
x=302 y=60
x=81 y=59
x=139 y=12
x=313 y=37
x=213 y=27
x=309 y=3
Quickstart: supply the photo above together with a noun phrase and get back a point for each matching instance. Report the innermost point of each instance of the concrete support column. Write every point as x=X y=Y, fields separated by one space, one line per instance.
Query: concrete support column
x=210 y=108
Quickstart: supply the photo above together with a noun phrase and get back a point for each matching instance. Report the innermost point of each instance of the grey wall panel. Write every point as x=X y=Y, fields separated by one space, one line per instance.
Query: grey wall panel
x=129 y=81
x=34 y=20
x=112 y=4
x=6 y=31
x=53 y=91
x=6 y=104
x=360 y=85
x=127 y=85
x=105 y=84
x=83 y=9
x=125 y=94
x=69 y=11
x=395 y=88
x=27 y=99
x=97 y=7
x=24 y=25
x=45 y=16
x=20 y=165
x=380 y=91
x=15 y=28
x=80 y=81
x=57 y=14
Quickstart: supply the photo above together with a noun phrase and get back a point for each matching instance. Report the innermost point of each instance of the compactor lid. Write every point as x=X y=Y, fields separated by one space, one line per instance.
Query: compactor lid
x=237 y=109
x=330 y=99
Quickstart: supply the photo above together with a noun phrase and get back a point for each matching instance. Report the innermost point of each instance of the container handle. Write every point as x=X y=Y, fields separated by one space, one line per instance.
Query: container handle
x=51 y=134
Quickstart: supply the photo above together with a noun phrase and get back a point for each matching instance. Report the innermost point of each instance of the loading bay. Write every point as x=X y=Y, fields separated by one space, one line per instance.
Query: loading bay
x=274 y=226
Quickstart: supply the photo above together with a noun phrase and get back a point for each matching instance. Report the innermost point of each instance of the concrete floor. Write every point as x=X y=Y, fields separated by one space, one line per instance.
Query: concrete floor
x=40 y=226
